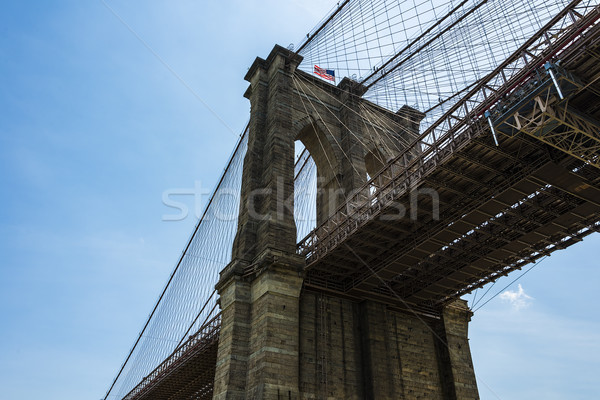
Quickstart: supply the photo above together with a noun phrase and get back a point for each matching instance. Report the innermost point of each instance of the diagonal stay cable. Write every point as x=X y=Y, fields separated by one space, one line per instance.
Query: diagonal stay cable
x=513 y=281
x=316 y=33
x=416 y=40
x=196 y=319
x=484 y=294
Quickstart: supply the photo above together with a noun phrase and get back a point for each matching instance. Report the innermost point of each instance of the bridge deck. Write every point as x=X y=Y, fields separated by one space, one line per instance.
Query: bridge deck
x=188 y=373
x=494 y=216
x=500 y=208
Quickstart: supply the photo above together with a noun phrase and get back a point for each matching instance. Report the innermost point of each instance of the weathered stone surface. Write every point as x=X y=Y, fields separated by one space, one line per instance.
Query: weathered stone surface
x=279 y=341
x=366 y=351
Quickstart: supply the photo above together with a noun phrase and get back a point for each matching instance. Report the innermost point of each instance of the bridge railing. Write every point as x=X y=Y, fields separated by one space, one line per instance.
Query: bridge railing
x=463 y=120
x=205 y=337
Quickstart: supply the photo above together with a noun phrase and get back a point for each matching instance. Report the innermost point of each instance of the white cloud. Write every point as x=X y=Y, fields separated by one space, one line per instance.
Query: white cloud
x=518 y=299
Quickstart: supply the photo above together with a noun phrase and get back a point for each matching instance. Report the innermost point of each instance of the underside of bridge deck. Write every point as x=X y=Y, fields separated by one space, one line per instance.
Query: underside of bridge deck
x=469 y=216
x=499 y=209
x=188 y=373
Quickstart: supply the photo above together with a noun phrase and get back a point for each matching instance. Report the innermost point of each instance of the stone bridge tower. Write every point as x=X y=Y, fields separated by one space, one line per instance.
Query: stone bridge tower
x=281 y=341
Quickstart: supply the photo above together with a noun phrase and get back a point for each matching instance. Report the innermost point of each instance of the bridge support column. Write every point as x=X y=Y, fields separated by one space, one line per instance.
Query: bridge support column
x=259 y=340
x=273 y=363
x=378 y=370
x=418 y=357
x=260 y=289
x=232 y=357
x=354 y=172
x=454 y=353
x=366 y=350
x=342 y=348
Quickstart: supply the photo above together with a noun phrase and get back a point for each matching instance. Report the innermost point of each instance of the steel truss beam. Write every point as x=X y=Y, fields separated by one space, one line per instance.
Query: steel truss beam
x=538 y=111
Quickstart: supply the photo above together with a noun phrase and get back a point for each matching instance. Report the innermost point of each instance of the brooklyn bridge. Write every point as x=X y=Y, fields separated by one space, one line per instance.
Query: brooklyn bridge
x=440 y=146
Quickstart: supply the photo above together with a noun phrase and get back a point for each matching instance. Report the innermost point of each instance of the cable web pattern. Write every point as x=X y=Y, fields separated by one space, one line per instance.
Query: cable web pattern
x=424 y=54
x=189 y=300
x=364 y=33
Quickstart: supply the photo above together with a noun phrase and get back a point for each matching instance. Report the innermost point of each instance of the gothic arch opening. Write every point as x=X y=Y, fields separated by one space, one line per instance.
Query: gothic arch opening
x=317 y=189
x=374 y=161
x=305 y=192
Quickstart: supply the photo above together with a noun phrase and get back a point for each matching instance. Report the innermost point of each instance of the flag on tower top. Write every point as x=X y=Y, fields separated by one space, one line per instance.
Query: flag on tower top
x=328 y=74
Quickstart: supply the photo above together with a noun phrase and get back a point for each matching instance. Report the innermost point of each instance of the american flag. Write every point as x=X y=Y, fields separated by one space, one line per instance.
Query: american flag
x=328 y=74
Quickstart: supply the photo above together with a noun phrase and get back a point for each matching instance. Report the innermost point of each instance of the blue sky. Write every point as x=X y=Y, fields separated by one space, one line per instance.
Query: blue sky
x=94 y=128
